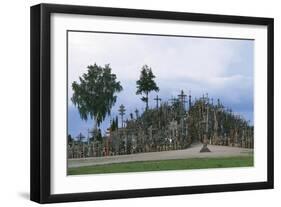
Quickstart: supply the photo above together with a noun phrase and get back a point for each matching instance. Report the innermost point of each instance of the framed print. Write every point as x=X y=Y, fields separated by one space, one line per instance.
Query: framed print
x=132 y=103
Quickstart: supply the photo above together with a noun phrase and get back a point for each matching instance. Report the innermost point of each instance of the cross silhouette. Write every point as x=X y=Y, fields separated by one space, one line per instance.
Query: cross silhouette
x=122 y=113
x=157 y=99
x=189 y=99
x=173 y=100
x=182 y=97
x=80 y=136
x=122 y=110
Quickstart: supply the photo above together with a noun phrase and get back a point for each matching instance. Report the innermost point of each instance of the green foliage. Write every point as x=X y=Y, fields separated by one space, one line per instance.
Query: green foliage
x=69 y=138
x=95 y=94
x=99 y=136
x=228 y=123
x=146 y=84
x=114 y=125
x=96 y=136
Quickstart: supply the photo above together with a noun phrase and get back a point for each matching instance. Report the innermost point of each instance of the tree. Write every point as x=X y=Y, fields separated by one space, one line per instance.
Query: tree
x=116 y=122
x=99 y=136
x=95 y=95
x=69 y=138
x=146 y=84
x=113 y=125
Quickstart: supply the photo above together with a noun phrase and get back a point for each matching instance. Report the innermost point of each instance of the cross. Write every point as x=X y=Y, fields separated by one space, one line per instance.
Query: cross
x=122 y=113
x=80 y=137
x=173 y=100
x=219 y=103
x=182 y=97
x=157 y=99
x=189 y=97
x=207 y=97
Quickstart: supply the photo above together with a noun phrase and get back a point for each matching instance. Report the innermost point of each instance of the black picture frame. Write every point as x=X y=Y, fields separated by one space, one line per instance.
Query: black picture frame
x=41 y=97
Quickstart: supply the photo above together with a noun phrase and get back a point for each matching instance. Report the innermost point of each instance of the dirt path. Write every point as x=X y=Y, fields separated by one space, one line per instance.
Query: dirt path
x=192 y=152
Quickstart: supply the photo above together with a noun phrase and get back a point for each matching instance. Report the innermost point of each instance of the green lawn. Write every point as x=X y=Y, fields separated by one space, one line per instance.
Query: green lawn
x=194 y=163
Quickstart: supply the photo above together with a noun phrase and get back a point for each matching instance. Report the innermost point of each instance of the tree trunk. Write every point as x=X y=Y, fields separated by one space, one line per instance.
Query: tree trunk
x=95 y=123
x=95 y=130
x=146 y=100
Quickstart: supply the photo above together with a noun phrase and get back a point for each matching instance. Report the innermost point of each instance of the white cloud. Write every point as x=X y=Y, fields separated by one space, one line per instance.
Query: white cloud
x=170 y=57
x=221 y=67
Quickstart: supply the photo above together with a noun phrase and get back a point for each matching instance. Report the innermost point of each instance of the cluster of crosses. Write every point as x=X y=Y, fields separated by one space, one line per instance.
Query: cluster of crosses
x=171 y=125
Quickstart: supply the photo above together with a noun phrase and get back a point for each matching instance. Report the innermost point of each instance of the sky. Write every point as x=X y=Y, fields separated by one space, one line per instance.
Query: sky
x=223 y=68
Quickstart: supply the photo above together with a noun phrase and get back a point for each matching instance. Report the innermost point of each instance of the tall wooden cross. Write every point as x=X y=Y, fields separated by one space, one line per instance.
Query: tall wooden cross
x=219 y=103
x=157 y=99
x=207 y=98
x=182 y=97
x=122 y=113
x=80 y=136
x=189 y=100
x=173 y=100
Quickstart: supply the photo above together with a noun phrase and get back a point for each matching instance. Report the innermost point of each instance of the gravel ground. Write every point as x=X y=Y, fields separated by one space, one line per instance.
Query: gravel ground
x=192 y=152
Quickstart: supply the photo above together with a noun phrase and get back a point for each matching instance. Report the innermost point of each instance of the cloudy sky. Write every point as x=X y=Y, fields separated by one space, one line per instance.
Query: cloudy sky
x=223 y=68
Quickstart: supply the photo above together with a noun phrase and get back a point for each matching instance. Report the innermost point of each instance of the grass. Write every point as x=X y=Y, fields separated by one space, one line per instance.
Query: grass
x=180 y=164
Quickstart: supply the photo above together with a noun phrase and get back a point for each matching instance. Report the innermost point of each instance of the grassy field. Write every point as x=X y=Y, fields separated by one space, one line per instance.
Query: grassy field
x=193 y=163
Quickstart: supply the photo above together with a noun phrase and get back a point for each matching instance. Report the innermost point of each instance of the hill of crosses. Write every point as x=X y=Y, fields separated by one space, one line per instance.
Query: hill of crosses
x=172 y=125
